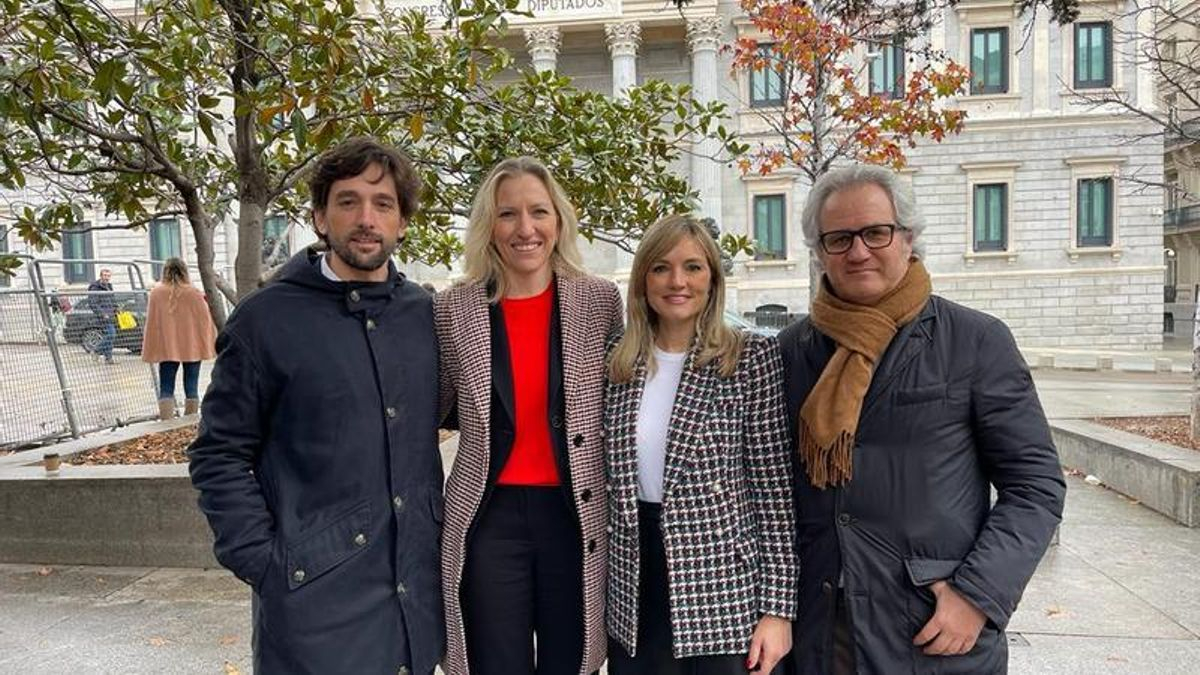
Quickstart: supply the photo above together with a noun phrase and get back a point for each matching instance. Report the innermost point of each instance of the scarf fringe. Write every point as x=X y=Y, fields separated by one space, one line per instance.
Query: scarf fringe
x=827 y=466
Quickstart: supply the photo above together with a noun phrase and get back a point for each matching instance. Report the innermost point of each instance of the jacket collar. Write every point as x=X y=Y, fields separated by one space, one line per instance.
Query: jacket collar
x=910 y=340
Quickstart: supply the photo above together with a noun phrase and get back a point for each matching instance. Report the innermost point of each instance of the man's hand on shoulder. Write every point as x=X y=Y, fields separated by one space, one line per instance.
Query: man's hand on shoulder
x=955 y=624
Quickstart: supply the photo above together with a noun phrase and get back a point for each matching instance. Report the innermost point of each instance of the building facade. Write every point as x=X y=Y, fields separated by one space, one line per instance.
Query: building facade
x=1178 y=58
x=1028 y=216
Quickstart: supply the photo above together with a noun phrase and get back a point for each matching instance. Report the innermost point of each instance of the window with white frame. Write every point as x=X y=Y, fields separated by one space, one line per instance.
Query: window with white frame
x=77 y=245
x=1095 y=215
x=990 y=217
x=1094 y=212
x=989 y=60
x=766 y=83
x=770 y=227
x=165 y=243
x=887 y=68
x=1093 y=55
x=989 y=198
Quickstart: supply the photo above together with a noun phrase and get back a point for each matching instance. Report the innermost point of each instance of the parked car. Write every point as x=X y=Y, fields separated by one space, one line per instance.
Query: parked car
x=84 y=327
x=734 y=321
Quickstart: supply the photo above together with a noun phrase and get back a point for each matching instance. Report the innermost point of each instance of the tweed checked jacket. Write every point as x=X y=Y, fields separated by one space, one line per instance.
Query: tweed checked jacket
x=727 y=521
x=590 y=313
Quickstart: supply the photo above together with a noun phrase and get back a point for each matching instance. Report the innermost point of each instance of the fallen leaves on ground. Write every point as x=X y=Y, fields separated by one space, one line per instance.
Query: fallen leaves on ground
x=1055 y=612
x=228 y=639
x=164 y=447
x=231 y=669
x=45 y=571
x=1170 y=429
x=157 y=641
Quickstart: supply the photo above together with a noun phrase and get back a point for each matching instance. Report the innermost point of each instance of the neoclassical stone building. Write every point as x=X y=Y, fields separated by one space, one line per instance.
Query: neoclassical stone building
x=1028 y=217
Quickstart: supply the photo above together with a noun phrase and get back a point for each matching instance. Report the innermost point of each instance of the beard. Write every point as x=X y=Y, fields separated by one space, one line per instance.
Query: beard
x=343 y=248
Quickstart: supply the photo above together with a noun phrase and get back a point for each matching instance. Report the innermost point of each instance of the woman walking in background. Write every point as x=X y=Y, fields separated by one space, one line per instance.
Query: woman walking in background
x=179 y=330
x=702 y=565
x=522 y=361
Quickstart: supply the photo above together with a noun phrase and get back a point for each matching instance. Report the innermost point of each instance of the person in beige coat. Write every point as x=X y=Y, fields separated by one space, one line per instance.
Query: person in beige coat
x=178 y=330
x=522 y=362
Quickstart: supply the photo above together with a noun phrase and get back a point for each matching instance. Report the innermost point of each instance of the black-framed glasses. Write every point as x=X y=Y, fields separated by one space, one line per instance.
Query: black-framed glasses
x=873 y=236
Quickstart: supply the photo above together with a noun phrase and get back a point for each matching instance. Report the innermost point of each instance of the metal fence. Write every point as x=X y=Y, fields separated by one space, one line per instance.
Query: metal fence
x=66 y=366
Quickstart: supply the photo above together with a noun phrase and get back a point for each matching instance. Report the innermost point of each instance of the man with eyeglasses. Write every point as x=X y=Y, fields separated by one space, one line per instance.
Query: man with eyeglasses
x=906 y=409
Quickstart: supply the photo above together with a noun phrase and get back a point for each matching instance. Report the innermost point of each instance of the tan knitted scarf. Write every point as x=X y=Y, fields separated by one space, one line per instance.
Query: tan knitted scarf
x=829 y=416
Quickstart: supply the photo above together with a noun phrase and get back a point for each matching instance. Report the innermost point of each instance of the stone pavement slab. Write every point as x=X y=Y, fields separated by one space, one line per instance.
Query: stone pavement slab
x=122 y=620
x=1119 y=594
x=1076 y=395
x=1086 y=655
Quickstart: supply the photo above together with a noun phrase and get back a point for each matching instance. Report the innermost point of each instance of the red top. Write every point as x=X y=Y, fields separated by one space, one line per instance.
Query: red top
x=527 y=324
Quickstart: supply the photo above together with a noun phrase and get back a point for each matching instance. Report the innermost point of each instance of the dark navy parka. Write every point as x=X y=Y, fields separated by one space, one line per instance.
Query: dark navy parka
x=318 y=469
x=951 y=411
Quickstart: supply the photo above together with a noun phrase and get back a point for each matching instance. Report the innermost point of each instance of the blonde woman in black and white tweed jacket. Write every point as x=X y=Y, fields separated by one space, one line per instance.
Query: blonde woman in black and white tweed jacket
x=702 y=563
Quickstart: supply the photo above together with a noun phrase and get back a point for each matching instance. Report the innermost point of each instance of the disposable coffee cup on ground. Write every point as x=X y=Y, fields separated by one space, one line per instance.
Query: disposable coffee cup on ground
x=52 y=462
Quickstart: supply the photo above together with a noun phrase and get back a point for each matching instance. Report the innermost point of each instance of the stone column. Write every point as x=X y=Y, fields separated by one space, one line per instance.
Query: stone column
x=704 y=38
x=623 y=40
x=543 y=43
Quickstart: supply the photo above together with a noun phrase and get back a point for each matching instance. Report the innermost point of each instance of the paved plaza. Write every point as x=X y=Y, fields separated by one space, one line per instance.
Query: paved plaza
x=1120 y=593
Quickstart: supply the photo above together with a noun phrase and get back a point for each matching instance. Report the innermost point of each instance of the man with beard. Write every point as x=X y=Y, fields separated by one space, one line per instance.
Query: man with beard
x=317 y=459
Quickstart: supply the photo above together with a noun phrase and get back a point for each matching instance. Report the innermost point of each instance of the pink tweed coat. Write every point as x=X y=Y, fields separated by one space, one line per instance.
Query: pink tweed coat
x=590 y=311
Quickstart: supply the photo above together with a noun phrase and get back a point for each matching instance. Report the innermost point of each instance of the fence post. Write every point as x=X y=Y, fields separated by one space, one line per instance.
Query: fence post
x=39 y=297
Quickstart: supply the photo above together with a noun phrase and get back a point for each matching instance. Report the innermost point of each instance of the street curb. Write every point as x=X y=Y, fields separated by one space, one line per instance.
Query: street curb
x=1163 y=477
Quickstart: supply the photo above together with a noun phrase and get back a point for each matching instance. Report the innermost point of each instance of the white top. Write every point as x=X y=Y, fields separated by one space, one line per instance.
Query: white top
x=653 y=422
x=327 y=270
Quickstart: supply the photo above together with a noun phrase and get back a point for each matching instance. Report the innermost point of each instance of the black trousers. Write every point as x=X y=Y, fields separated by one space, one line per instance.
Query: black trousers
x=843 y=638
x=654 y=618
x=524 y=577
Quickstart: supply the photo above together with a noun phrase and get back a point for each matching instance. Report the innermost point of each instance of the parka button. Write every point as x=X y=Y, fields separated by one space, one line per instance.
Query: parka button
x=826 y=587
x=353 y=296
x=391 y=412
x=586 y=495
x=360 y=539
x=398 y=502
x=370 y=324
x=401 y=590
x=298 y=576
x=403 y=671
x=591 y=545
x=578 y=440
x=844 y=519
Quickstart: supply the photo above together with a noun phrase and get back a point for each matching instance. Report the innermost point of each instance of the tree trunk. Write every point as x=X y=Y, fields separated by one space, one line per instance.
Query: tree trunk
x=202 y=232
x=208 y=276
x=248 y=264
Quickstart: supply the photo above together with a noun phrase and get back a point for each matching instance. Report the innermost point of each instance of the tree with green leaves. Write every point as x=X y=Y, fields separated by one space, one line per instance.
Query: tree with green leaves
x=213 y=109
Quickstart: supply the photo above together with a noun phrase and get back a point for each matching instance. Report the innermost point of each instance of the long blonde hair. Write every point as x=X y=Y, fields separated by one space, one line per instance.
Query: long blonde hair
x=714 y=340
x=175 y=275
x=481 y=260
